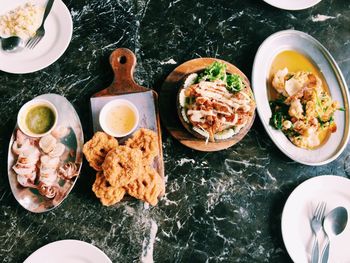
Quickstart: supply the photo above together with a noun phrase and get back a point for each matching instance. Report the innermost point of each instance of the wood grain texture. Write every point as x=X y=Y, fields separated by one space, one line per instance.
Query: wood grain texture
x=168 y=106
x=123 y=63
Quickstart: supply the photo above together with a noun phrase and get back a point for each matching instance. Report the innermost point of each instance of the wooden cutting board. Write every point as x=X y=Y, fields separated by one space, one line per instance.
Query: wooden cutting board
x=123 y=62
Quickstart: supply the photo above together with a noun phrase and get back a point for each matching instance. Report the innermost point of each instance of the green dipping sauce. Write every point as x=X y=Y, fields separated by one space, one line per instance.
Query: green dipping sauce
x=40 y=119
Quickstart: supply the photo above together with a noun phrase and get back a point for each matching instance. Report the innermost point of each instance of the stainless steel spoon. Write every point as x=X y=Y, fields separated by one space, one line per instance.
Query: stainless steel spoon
x=333 y=224
x=11 y=44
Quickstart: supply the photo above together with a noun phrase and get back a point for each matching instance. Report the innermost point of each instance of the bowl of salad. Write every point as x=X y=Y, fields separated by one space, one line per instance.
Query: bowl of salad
x=216 y=104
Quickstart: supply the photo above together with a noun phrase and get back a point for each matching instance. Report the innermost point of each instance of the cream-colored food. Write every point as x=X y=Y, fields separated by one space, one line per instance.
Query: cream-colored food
x=120 y=119
x=305 y=110
x=22 y=21
x=214 y=112
x=40 y=163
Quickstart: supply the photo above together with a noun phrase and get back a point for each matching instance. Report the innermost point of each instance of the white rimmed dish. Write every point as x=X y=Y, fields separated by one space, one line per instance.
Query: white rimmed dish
x=23 y=112
x=73 y=139
x=297 y=213
x=292 y=4
x=106 y=117
x=68 y=251
x=321 y=58
x=59 y=29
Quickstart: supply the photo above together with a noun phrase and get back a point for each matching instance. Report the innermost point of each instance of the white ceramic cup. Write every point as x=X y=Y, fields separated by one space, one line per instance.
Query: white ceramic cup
x=104 y=116
x=21 y=117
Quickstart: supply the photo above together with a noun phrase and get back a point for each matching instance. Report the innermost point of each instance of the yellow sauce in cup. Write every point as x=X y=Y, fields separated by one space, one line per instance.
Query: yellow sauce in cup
x=120 y=119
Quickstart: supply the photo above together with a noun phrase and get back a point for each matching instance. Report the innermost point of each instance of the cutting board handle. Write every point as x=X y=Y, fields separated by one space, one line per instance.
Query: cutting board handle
x=123 y=62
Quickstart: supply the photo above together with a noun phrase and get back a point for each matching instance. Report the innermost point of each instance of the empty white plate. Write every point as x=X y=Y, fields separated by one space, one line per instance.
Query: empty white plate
x=58 y=27
x=298 y=211
x=68 y=251
x=292 y=4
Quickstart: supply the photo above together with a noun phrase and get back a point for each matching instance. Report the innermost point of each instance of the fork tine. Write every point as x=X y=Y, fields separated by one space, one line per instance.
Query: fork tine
x=36 y=42
x=29 y=42
x=322 y=210
x=316 y=210
x=32 y=45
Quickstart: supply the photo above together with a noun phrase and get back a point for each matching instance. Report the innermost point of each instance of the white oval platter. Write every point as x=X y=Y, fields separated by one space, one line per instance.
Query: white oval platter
x=321 y=58
x=30 y=198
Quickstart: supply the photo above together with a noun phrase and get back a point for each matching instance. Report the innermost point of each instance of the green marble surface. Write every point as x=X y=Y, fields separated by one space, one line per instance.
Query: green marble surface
x=219 y=207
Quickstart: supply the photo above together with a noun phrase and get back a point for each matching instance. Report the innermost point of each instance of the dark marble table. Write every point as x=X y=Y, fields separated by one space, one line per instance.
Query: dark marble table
x=219 y=207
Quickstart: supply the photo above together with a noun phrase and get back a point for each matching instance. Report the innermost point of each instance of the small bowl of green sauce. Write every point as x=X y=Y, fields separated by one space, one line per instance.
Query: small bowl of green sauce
x=37 y=118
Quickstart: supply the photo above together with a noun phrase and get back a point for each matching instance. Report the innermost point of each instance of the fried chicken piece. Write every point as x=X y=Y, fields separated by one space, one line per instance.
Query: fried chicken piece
x=147 y=187
x=108 y=194
x=97 y=148
x=122 y=165
x=147 y=141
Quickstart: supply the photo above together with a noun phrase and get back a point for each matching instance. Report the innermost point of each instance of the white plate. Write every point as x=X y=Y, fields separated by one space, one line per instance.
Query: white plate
x=311 y=48
x=68 y=251
x=58 y=27
x=297 y=213
x=292 y=4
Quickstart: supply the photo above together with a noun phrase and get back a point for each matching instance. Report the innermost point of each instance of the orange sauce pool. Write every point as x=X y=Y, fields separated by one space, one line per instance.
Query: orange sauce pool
x=296 y=61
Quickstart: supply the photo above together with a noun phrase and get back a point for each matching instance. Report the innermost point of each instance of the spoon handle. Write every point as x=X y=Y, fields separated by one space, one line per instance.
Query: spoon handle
x=325 y=253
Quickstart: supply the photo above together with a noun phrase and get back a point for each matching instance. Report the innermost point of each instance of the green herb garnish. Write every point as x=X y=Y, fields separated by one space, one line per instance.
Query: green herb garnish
x=217 y=71
x=322 y=123
x=279 y=113
x=234 y=83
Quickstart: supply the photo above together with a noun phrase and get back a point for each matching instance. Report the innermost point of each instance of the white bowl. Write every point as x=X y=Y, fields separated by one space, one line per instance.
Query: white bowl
x=114 y=113
x=21 y=117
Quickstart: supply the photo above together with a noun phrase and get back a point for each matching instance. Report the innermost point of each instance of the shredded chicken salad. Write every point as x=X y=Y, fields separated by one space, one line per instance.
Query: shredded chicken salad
x=215 y=104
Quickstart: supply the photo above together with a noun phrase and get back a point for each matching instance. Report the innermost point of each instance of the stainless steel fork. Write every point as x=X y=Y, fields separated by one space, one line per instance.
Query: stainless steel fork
x=39 y=34
x=316 y=226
